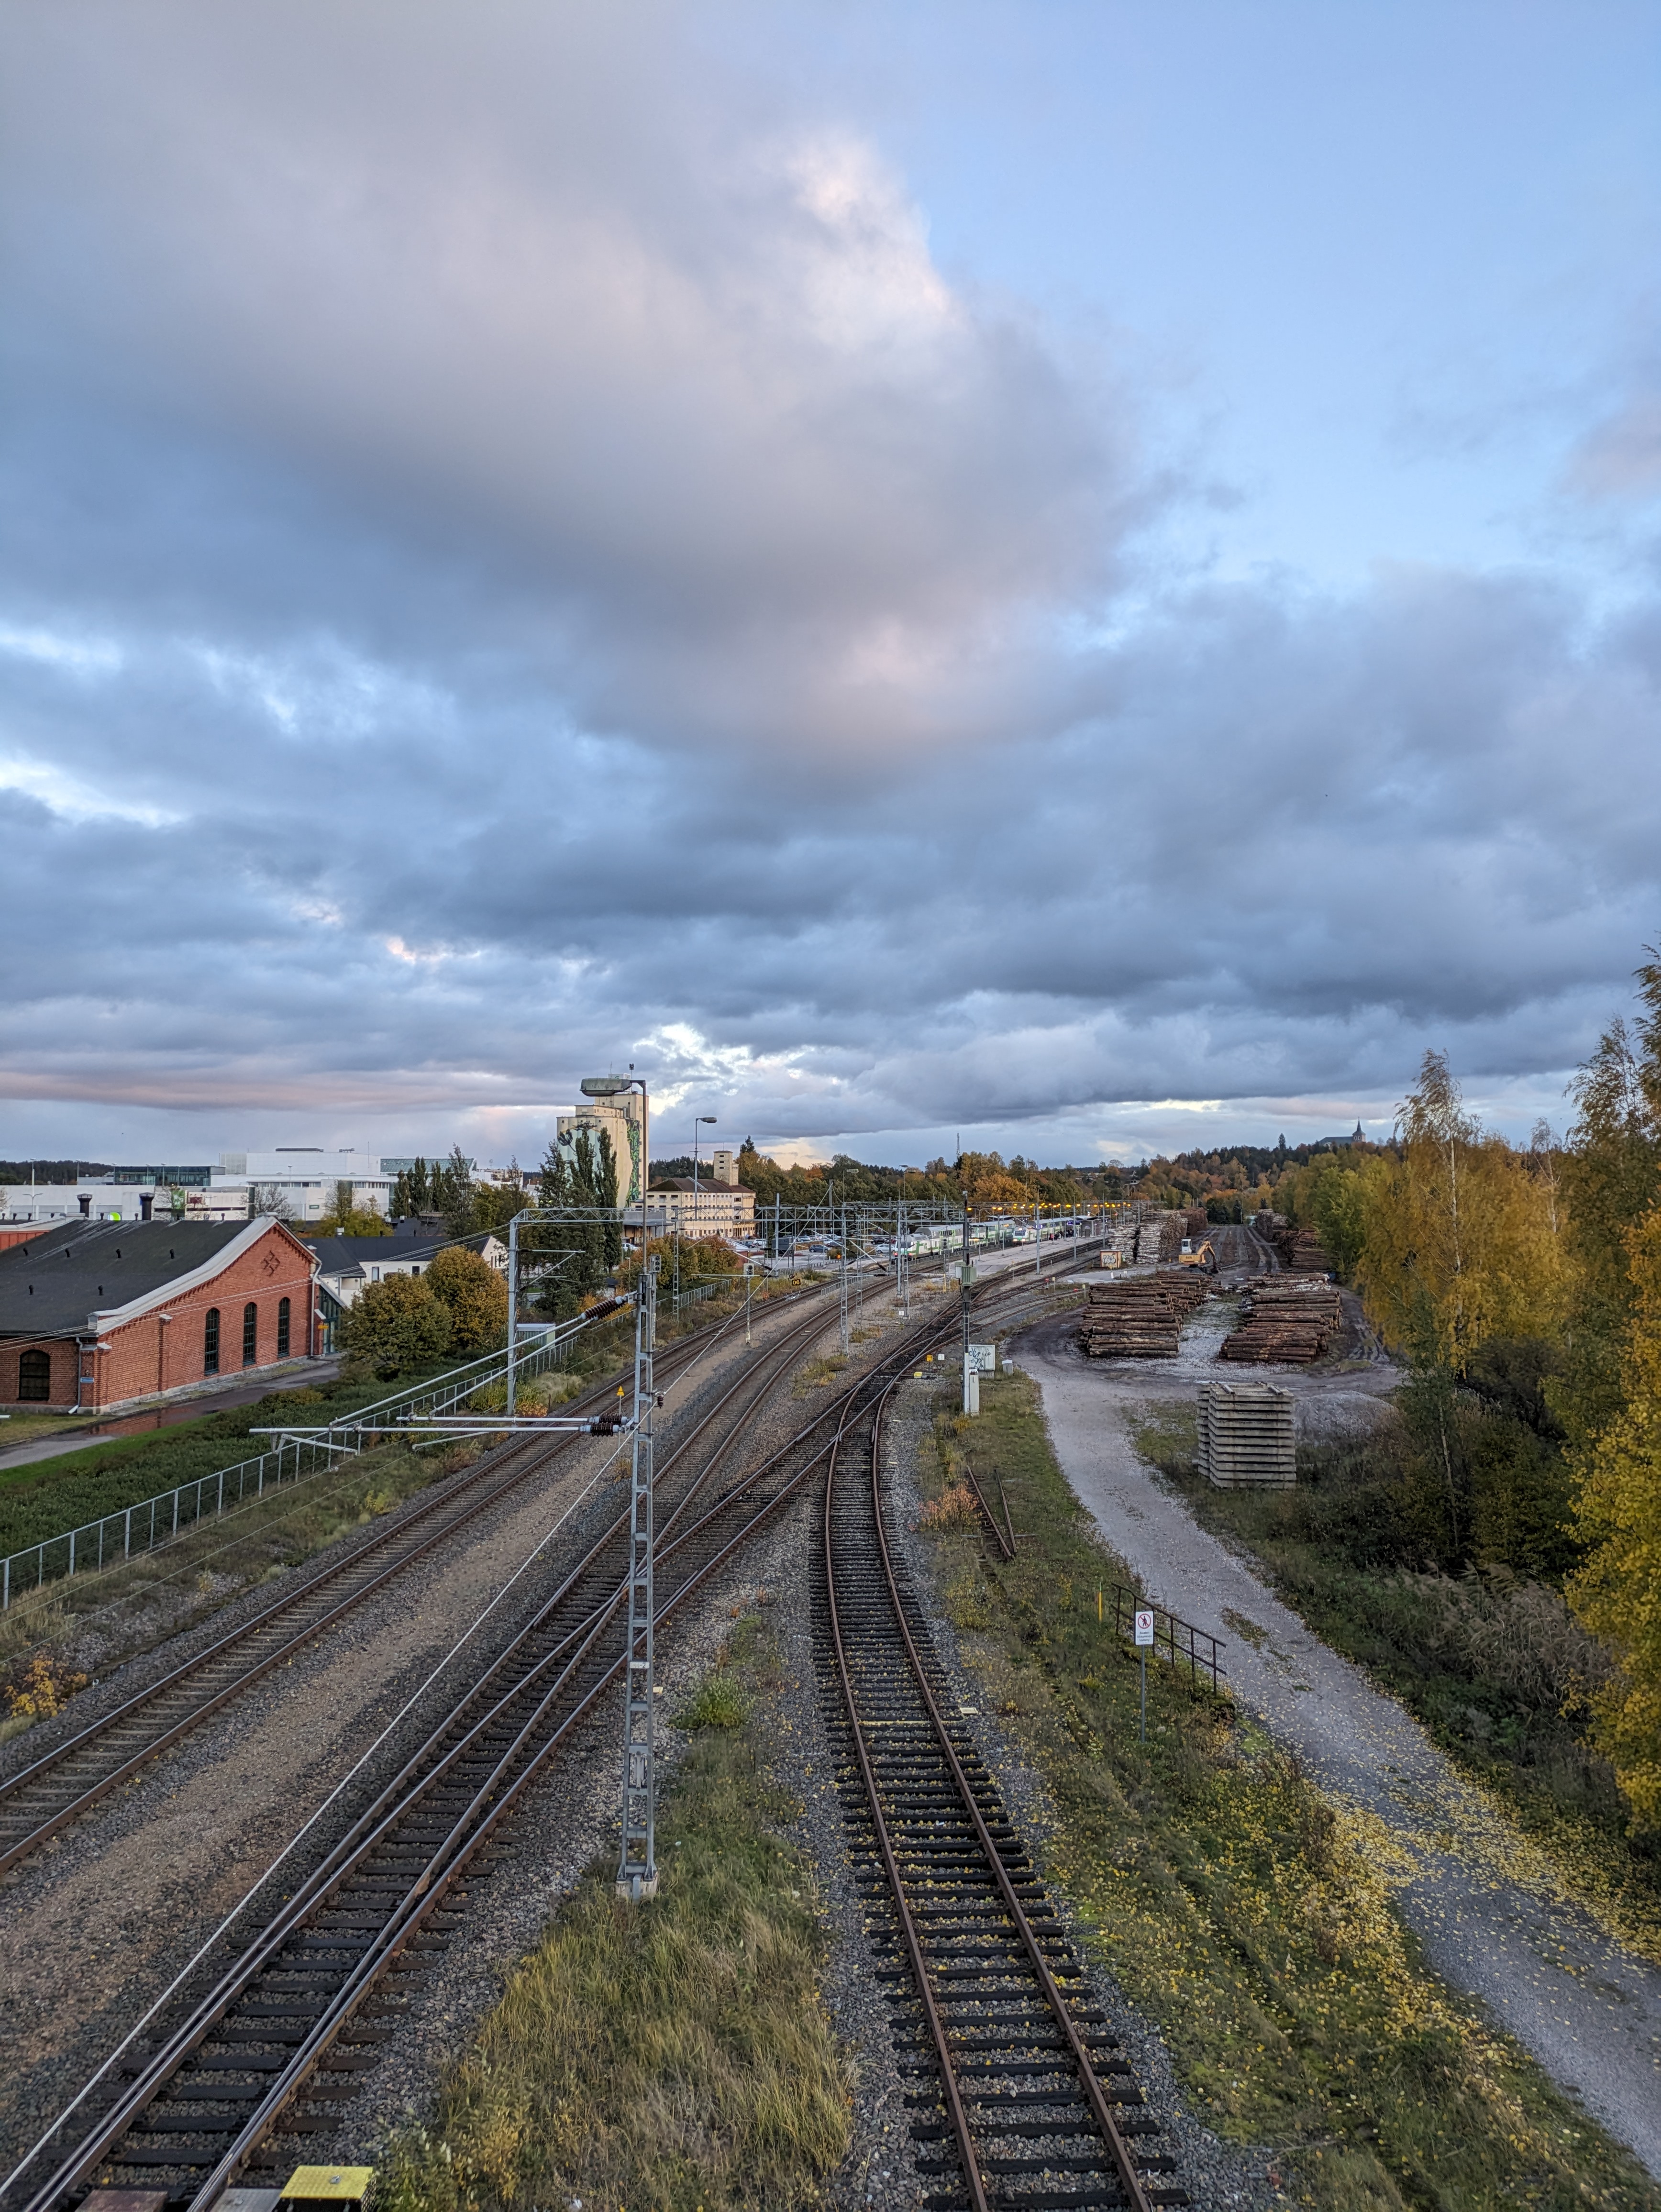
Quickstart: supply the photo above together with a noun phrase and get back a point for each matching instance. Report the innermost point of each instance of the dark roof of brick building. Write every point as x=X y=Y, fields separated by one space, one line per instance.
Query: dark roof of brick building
x=51 y=1285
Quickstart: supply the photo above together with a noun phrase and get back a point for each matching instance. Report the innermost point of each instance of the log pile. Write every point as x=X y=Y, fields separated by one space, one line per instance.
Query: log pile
x=1160 y=1235
x=1185 y=1287
x=1308 y=1256
x=1120 y=1243
x=1299 y=1251
x=1141 y=1319
x=1288 y=1322
x=1135 y=1320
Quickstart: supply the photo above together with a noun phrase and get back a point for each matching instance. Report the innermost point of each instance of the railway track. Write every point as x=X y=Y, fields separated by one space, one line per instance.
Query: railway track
x=275 y=2026
x=45 y=1796
x=1021 y=2095
x=241 y=2063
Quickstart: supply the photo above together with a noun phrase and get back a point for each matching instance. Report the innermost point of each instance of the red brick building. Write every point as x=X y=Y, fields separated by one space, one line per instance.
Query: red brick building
x=94 y=1313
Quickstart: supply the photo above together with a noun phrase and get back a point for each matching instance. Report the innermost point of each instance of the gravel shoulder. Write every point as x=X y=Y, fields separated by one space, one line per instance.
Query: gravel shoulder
x=108 y=1913
x=1492 y=1918
x=1215 y=2172
x=570 y=1818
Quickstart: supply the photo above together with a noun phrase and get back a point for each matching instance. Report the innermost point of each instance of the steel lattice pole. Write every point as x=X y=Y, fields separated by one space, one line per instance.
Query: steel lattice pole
x=637 y=1866
x=845 y=1284
x=513 y=1307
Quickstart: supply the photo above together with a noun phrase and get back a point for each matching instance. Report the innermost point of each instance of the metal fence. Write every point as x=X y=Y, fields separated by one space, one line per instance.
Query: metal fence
x=1177 y=1642
x=153 y=1522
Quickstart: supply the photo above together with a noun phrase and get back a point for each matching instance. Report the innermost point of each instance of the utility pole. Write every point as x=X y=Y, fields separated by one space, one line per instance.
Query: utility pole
x=968 y=1393
x=843 y=1246
x=901 y=1256
x=637 y=1865
x=513 y=1308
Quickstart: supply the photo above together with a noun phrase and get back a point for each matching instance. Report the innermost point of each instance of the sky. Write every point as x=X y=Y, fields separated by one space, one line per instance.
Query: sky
x=1072 y=578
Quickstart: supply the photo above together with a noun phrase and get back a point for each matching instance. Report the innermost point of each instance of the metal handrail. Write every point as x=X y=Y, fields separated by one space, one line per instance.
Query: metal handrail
x=1174 y=1640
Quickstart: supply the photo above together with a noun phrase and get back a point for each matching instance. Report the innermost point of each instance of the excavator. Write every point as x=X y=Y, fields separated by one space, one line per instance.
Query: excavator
x=1201 y=1255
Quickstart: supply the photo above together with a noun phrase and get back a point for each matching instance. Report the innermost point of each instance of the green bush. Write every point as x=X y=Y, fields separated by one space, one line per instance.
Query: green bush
x=718 y=1702
x=398 y=1325
x=475 y=1297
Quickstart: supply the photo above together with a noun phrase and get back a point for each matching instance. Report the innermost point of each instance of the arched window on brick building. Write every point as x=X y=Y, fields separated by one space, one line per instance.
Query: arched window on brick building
x=210 y=1342
x=250 y=1333
x=34 y=1377
x=284 y=1310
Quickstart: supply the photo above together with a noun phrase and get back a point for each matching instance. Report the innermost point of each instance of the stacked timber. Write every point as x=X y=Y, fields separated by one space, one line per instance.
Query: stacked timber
x=1308 y=1255
x=1185 y=1287
x=1160 y=1234
x=1119 y=1244
x=1287 y=1321
x=1246 y=1435
x=1133 y=1320
x=1299 y=1251
x=1195 y=1222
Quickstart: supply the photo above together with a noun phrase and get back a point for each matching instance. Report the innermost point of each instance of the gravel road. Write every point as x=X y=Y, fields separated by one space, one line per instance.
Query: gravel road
x=1491 y=1917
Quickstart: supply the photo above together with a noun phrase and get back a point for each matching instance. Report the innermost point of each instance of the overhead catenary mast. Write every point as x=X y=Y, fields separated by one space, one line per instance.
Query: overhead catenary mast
x=637 y=1863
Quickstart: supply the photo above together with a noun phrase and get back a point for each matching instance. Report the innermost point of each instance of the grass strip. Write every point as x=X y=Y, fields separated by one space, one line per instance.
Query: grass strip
x=667 y=2057
x=129 y=1608
x=1486 y=1663
x=1235 y=1906
x=49 y=1496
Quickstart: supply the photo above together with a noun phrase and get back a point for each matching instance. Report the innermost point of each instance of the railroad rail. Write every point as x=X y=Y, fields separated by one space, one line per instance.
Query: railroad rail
x=239 y=2054
x=289 y=2015
x=45 y=1796
x=1022 y=2096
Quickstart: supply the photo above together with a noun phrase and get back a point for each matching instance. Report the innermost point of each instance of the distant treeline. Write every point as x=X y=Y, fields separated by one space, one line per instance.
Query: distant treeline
x=1239 y=1173
x=50 y=1170
x=990 y=1180
x=1240 y=1179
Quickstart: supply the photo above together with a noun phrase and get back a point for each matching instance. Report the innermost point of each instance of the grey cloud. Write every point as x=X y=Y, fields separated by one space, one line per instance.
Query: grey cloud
x=753 y=472
x=520 y=574
x=1620 y=458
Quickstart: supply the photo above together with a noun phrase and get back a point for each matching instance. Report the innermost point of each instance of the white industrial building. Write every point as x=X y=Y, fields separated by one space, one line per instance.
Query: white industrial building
x=298 y=1181
x=304 y=1179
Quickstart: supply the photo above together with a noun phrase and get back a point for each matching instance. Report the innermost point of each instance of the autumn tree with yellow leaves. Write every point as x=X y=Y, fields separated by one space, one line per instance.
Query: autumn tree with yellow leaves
x=1610 y=1395
x=1461 y=1236
x=1617 y=1592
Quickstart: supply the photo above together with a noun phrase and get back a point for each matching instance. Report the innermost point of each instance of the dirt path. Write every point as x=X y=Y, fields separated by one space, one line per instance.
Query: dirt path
x=1492 y=1919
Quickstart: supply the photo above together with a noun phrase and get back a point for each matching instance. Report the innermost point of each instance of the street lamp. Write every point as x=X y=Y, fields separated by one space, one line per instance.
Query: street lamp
x=697 y=1122
x=637 y=1873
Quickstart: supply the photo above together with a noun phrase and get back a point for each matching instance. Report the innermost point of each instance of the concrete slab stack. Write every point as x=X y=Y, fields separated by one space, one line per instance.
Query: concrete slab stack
x=1246 y=1435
